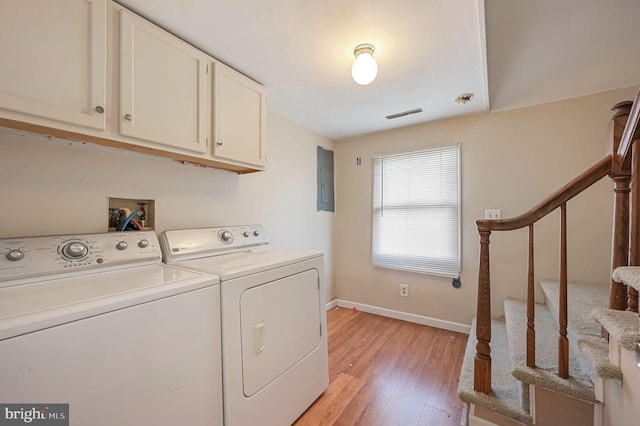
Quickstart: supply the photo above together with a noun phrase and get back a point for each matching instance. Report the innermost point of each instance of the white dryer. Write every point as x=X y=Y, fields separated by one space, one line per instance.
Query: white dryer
x=97 y=322
x=274 y=339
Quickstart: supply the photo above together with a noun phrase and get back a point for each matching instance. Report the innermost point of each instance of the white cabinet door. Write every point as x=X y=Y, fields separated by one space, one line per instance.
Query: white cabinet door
x=239 y=125
x=54 y=59
x=163 y=86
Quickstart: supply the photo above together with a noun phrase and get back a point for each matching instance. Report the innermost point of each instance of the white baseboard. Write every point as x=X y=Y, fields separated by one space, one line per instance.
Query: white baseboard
x=418 y=319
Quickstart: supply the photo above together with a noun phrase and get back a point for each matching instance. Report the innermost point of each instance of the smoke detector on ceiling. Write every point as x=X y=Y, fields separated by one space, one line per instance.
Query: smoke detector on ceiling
x=464 y=98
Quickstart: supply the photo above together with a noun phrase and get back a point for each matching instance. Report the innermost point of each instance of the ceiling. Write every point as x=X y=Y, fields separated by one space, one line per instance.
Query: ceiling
x=508 y=53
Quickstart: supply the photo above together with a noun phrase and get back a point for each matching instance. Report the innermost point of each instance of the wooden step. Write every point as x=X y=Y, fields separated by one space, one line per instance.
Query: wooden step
x=624 y=326
x=506 y=398
x=583 y=331
x=628 y=275
x=579 y=385
x=582 y=299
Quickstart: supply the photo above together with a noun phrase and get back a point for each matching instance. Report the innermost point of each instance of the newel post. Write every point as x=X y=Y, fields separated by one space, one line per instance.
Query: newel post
x=482 y=364
x=621 y=176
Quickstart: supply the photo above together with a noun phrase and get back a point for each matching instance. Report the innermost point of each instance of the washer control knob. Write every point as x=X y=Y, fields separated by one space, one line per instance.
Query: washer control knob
x=246 y=234
x=14 y=255
x=143 y=243
x=226 y=237
x=75 y=250
x=256 y=233
x=122 y=245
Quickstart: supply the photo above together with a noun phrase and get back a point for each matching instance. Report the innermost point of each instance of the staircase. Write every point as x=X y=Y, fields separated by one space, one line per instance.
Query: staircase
x=515 y=384
x=571 y=360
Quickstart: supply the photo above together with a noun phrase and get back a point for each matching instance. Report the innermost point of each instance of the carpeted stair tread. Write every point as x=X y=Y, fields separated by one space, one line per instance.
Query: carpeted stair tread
x=579 y=384
x=505 y=397
x=597 y=350
x=582 y=299
x=624 y=326
x=629 y=275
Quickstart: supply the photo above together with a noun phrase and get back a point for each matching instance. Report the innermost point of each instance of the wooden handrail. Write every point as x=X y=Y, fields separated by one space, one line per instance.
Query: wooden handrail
x=631 y=130
x=592 y=175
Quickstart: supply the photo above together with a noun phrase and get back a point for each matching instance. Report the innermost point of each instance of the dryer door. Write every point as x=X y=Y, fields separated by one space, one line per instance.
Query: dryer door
x=280 y=323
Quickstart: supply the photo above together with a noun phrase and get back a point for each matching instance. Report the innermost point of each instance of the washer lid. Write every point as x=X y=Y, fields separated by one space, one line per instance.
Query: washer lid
x=259 y=259
x=30 y=307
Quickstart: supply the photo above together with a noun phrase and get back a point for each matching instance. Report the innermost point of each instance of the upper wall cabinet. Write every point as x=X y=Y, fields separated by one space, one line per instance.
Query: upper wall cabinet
x=163 y=86
x=239 y=111
x=53 y=62
x=93 y=71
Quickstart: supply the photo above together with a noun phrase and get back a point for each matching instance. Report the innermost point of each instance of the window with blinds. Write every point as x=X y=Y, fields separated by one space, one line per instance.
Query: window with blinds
x=416 y=211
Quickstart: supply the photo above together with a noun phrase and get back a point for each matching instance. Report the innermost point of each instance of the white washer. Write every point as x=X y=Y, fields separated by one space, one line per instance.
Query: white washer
x=96 y=321
x=274 y=340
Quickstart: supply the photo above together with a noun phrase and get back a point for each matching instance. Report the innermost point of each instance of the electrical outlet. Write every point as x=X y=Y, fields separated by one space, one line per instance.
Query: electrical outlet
x=404 y=290
x=493 y=214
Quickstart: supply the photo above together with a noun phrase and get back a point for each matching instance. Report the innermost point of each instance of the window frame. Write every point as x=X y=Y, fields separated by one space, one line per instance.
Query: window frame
x=447 y=266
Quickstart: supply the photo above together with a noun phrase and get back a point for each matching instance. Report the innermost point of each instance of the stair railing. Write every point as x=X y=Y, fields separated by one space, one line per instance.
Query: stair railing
x=618 y=166
x=559 y=199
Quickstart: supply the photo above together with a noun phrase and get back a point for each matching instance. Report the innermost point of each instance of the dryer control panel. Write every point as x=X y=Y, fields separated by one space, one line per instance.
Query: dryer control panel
x=26 y=259
x=184 y=244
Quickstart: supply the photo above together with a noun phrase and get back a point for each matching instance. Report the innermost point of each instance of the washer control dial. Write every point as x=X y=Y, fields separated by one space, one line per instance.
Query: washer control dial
x=226 y=237
x=15 y=255
x=246 y=234
x=256 y=233
x=143 y=243
x=75 y=250
x=122 y=245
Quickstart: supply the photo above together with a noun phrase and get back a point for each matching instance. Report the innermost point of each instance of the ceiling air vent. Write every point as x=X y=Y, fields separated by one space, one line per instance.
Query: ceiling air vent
x=403 y=113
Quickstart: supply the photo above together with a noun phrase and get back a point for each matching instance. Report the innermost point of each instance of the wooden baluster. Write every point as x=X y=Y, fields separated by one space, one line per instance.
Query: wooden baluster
x=620 y=243
x=621 y=176
x=482 y=362
x=531 y=308
x=634 y=236
x=563 y=342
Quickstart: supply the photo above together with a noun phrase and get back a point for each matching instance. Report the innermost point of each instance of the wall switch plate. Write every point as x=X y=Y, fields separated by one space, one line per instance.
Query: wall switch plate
x=493 y=214
x=404 y=290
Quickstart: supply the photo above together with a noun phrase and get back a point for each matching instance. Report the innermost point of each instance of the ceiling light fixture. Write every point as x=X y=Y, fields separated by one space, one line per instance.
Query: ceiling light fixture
x=365 y=67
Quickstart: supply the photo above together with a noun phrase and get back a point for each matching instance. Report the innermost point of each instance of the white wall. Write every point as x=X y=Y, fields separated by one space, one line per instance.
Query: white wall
x=53 y=186
x=511 y=160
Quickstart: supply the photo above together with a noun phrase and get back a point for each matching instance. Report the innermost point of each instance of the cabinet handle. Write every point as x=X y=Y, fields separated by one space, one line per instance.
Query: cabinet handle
x=128 y=117
x=219 y=143
x=99 y=109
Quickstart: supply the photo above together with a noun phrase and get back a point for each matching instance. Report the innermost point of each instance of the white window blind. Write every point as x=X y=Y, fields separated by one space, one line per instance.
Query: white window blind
x=416 y=211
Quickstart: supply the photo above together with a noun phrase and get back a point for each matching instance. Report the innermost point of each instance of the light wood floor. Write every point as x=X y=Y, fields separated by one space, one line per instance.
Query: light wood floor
x=386 y=372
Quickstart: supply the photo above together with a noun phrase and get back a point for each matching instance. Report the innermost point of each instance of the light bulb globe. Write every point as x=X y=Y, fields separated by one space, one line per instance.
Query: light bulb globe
x=365 y=68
